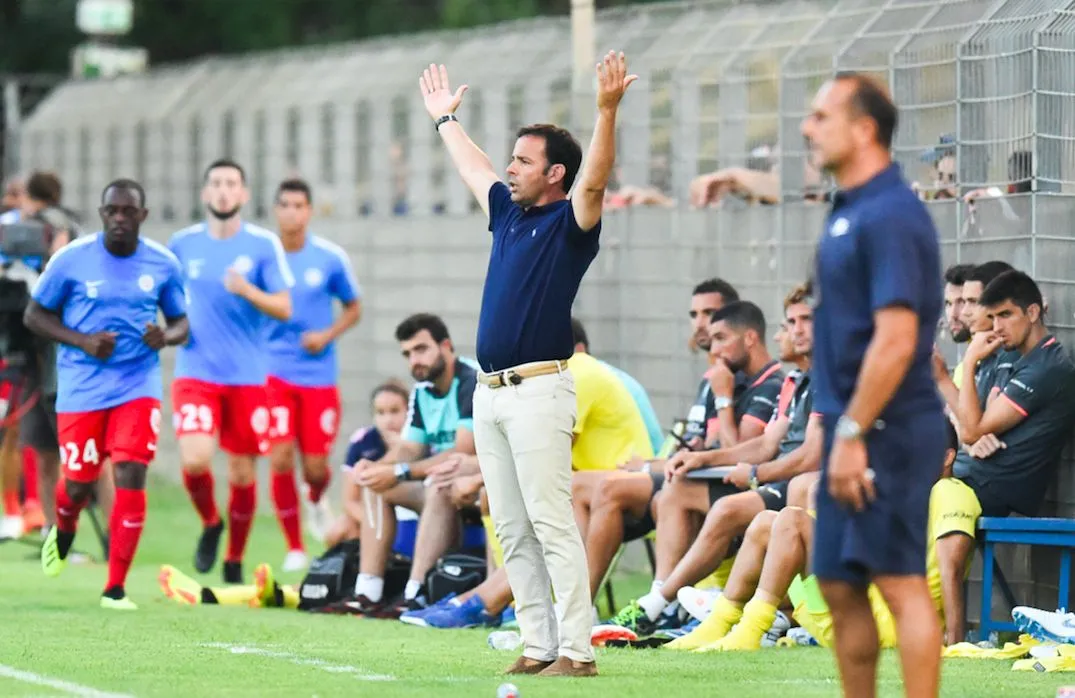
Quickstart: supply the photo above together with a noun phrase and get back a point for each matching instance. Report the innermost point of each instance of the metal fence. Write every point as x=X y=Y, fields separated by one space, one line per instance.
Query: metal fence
x=719 y=80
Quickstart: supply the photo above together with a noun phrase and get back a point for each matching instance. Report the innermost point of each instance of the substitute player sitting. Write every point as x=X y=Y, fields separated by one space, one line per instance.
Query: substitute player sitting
x=237 y=278
x=98 y=298
x=773 y=562
x=304 y=400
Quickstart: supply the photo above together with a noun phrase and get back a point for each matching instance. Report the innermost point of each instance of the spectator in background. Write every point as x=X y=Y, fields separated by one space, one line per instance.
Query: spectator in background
x=14 y=191
x=389 y=406
x=1030 y=407
x=942 y=161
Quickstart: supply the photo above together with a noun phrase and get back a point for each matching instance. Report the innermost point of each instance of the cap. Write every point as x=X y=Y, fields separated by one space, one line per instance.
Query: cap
x=945 y=146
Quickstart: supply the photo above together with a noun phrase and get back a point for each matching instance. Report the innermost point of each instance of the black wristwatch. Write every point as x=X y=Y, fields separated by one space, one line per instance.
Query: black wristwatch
x=403 y=472
x=443 y=120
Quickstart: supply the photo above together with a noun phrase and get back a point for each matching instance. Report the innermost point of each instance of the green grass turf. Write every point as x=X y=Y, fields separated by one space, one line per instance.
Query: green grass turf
x=54 y=629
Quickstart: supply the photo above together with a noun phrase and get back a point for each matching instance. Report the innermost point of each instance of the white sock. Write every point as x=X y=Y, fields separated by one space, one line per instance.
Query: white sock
x=369 y=586
x=411 y=590
x=653 y=603
x=673 y=608
x=656 y=586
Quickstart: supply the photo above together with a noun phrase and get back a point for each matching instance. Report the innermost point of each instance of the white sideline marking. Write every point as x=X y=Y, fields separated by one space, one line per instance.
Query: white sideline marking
x=321 y=664
x=65 y=686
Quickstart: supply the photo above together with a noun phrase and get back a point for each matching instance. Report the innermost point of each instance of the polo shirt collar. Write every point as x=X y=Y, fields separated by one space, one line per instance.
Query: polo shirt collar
x=885 y=179
x=759 y=378
x=540 y=210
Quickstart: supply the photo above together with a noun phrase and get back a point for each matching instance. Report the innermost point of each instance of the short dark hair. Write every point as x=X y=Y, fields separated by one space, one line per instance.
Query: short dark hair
x=578 y=331
x=422 y=321
x=953 y=436
x=129 y=185
x=296 y=185
x=1014 y=286
x=226 y=162
x=871 y=99
x=390 y=386
x=741 y=315
x=985 y=273
x=561 y=148
x=956 y=274
x=44 y=187
x=726 y=290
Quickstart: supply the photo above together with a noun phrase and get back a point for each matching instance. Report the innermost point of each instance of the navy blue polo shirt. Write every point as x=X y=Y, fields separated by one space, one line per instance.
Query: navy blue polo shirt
x=879 y=249
x=538 y=260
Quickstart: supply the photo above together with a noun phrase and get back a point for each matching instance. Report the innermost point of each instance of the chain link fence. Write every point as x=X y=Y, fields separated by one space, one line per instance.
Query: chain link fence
x=986 y=106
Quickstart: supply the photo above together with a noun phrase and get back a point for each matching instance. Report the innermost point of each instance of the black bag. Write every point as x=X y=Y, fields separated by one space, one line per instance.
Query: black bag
x=332 y=576
x=455 y=573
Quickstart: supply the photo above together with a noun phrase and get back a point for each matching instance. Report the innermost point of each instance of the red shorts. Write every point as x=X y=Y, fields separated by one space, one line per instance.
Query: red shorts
x=239 y=413
x=124 y=433
x=310 y=416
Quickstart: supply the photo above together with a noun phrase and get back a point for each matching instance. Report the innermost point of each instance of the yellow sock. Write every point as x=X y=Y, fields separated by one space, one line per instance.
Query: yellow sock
x=291 y=596
x=758 y=617
x=236 y=595
x=724 y=616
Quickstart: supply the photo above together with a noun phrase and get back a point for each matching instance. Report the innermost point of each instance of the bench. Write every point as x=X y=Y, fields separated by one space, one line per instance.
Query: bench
x=1056 y=533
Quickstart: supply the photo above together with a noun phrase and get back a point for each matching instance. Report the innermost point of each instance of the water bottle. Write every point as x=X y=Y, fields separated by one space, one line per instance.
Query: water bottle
x=507 y=690
x=505 y=640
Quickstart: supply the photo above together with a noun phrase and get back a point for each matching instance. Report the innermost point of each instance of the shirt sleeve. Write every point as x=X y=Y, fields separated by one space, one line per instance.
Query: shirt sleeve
x=276 y=273
x=465 y=393
x=500 y=204
x=173 y=299
x=343 y=284
x=414 y=429
x=585 y=398
x=1033 y=386
x=763 y=402
x=893 y=263
x=53 y=285
x=354 y=452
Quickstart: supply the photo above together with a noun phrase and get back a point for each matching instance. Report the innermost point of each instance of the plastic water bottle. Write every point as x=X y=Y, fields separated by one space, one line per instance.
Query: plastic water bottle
x=505 y=640
x=507 y=690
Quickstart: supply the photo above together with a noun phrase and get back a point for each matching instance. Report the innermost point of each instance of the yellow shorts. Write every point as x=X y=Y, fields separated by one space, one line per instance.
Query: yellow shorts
x=812 y=613
x=953 y=508
x=719 y=578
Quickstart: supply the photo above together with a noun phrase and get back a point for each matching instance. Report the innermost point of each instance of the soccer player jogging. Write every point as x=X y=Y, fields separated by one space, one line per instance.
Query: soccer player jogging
x=99 y=298
x=878 y=293
x=304 y=402
x=524 y=409
x=237 y=278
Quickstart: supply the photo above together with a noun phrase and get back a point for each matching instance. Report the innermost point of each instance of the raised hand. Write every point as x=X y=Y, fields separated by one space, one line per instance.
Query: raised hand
x=437 y=93
x=612 y=81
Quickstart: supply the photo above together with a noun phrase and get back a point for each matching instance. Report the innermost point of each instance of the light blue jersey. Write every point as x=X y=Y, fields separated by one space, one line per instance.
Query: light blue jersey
x=323 y=274
x=94 y=291
x=641 y=398
x=432 y=420
x=227 y=333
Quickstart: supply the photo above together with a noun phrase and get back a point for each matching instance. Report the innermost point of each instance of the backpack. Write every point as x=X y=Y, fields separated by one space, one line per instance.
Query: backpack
x=332 y=576
x=455 y=573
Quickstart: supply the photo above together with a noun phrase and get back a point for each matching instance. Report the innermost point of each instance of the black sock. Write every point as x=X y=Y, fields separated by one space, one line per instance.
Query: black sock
x=208 y=596
x=277 y=595
x=116 y=593
x=63 y=543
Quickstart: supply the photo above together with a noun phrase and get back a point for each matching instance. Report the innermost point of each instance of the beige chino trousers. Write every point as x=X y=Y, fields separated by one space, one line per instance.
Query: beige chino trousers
x=522 y=434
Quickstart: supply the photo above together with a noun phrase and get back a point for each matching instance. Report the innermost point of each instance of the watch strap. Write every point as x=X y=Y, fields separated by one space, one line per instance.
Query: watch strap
x=443 y=120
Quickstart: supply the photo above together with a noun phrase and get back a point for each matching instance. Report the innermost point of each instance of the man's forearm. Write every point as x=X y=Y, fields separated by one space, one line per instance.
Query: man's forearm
x=49 y=325
x=949 y=392
x=275 y=305
x=601 y=155
x=804 y=459
x=729 y=431
x=883 y=368
x=750 y=451
x=346 y=320
x=968 y=409
x=473 y=164
x=176 y=331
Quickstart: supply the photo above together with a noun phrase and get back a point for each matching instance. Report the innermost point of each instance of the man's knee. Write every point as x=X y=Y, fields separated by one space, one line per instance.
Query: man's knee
x=130 y=476
x=799 y=489
x=282 y=458
x=196 y=452
x=733 y=514
x=79 y=491
x=623 y=492
x=315 y=468
x=437 y=499
x=242 y=470
x=762 y=528
x=844 y=597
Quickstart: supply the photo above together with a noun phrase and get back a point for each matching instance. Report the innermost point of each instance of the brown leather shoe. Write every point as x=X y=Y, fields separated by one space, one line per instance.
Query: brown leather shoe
x=569 y=667
x=526 y=665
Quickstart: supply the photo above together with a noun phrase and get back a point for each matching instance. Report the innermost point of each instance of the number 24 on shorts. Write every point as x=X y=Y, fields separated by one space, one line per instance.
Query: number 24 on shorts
x=72 y=460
